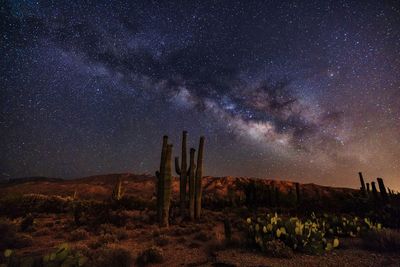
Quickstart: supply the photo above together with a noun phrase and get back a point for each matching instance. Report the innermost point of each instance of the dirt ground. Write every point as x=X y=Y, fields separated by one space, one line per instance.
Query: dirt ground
x=187 y=244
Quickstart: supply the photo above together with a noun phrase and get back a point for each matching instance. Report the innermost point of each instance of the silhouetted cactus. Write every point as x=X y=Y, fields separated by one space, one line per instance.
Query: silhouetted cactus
x=382 y=189
x=362 y=188
x=368 y=189
x=199 y=176
x=183 y=172
x=164 y=180
x=192 y=173
x=374 y=192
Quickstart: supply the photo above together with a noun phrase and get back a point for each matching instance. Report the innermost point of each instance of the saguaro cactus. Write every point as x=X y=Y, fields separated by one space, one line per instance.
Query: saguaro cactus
x=164 y=180
x=382 y=189
x=362 y=188
x=368 y=190
x=183 y=173
x=199 y=176
x=192 y=173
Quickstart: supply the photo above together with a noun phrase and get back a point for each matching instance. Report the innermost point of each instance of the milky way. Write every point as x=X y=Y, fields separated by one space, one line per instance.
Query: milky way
x=306 y=91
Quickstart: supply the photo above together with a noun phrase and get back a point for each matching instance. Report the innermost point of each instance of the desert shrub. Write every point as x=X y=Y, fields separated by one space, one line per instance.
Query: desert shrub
x=107 y=228
x=95 y=244
x=112 y=257
x=15 y=205
x=27 y=222
x=161 y=240
x=121 y=234
x=150 y=255
x=9 y=238
x=49 y=224
x=136 y=203
x=107 y=238
x=202 y=236
x=385 y=240
x=78 y=234
x=42 y=232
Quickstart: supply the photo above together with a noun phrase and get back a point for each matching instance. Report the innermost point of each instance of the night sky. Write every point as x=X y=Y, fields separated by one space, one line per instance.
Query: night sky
x=306 y=91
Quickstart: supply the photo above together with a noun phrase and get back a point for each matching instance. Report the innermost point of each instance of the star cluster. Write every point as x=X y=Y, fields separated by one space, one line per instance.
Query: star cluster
x=296 y=90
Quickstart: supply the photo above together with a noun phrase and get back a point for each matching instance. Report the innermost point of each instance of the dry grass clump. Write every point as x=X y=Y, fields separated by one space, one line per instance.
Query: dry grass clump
x=78 y=234
x=150 y=255
x=385 y=240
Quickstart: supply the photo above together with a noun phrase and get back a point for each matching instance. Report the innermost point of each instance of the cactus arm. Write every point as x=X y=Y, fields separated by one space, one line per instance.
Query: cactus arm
x=177 y=168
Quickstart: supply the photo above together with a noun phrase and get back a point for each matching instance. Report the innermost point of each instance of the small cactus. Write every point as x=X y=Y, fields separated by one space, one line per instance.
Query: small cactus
x=118 y=191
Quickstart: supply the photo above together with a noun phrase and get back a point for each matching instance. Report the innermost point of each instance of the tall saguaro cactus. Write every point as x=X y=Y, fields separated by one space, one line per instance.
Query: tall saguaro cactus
x=192 y=171
x=199 y=176
x=183 y=173
x=164 y=181
x=363 y=190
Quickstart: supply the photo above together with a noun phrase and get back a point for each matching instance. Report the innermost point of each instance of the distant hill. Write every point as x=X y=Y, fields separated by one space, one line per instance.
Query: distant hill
x=100 y=186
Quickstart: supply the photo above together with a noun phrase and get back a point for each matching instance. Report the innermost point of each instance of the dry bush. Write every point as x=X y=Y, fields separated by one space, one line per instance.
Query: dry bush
x=42 y=232
x=161 y=240
x=9 y=238
x=107 y=238
x=112 y=257
x=202 y=236
x=121 y=234
x=27 y=222
x=78 y=234
x=278 y=249
x=385 y=240
x=49 y=224
x=150 y=255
